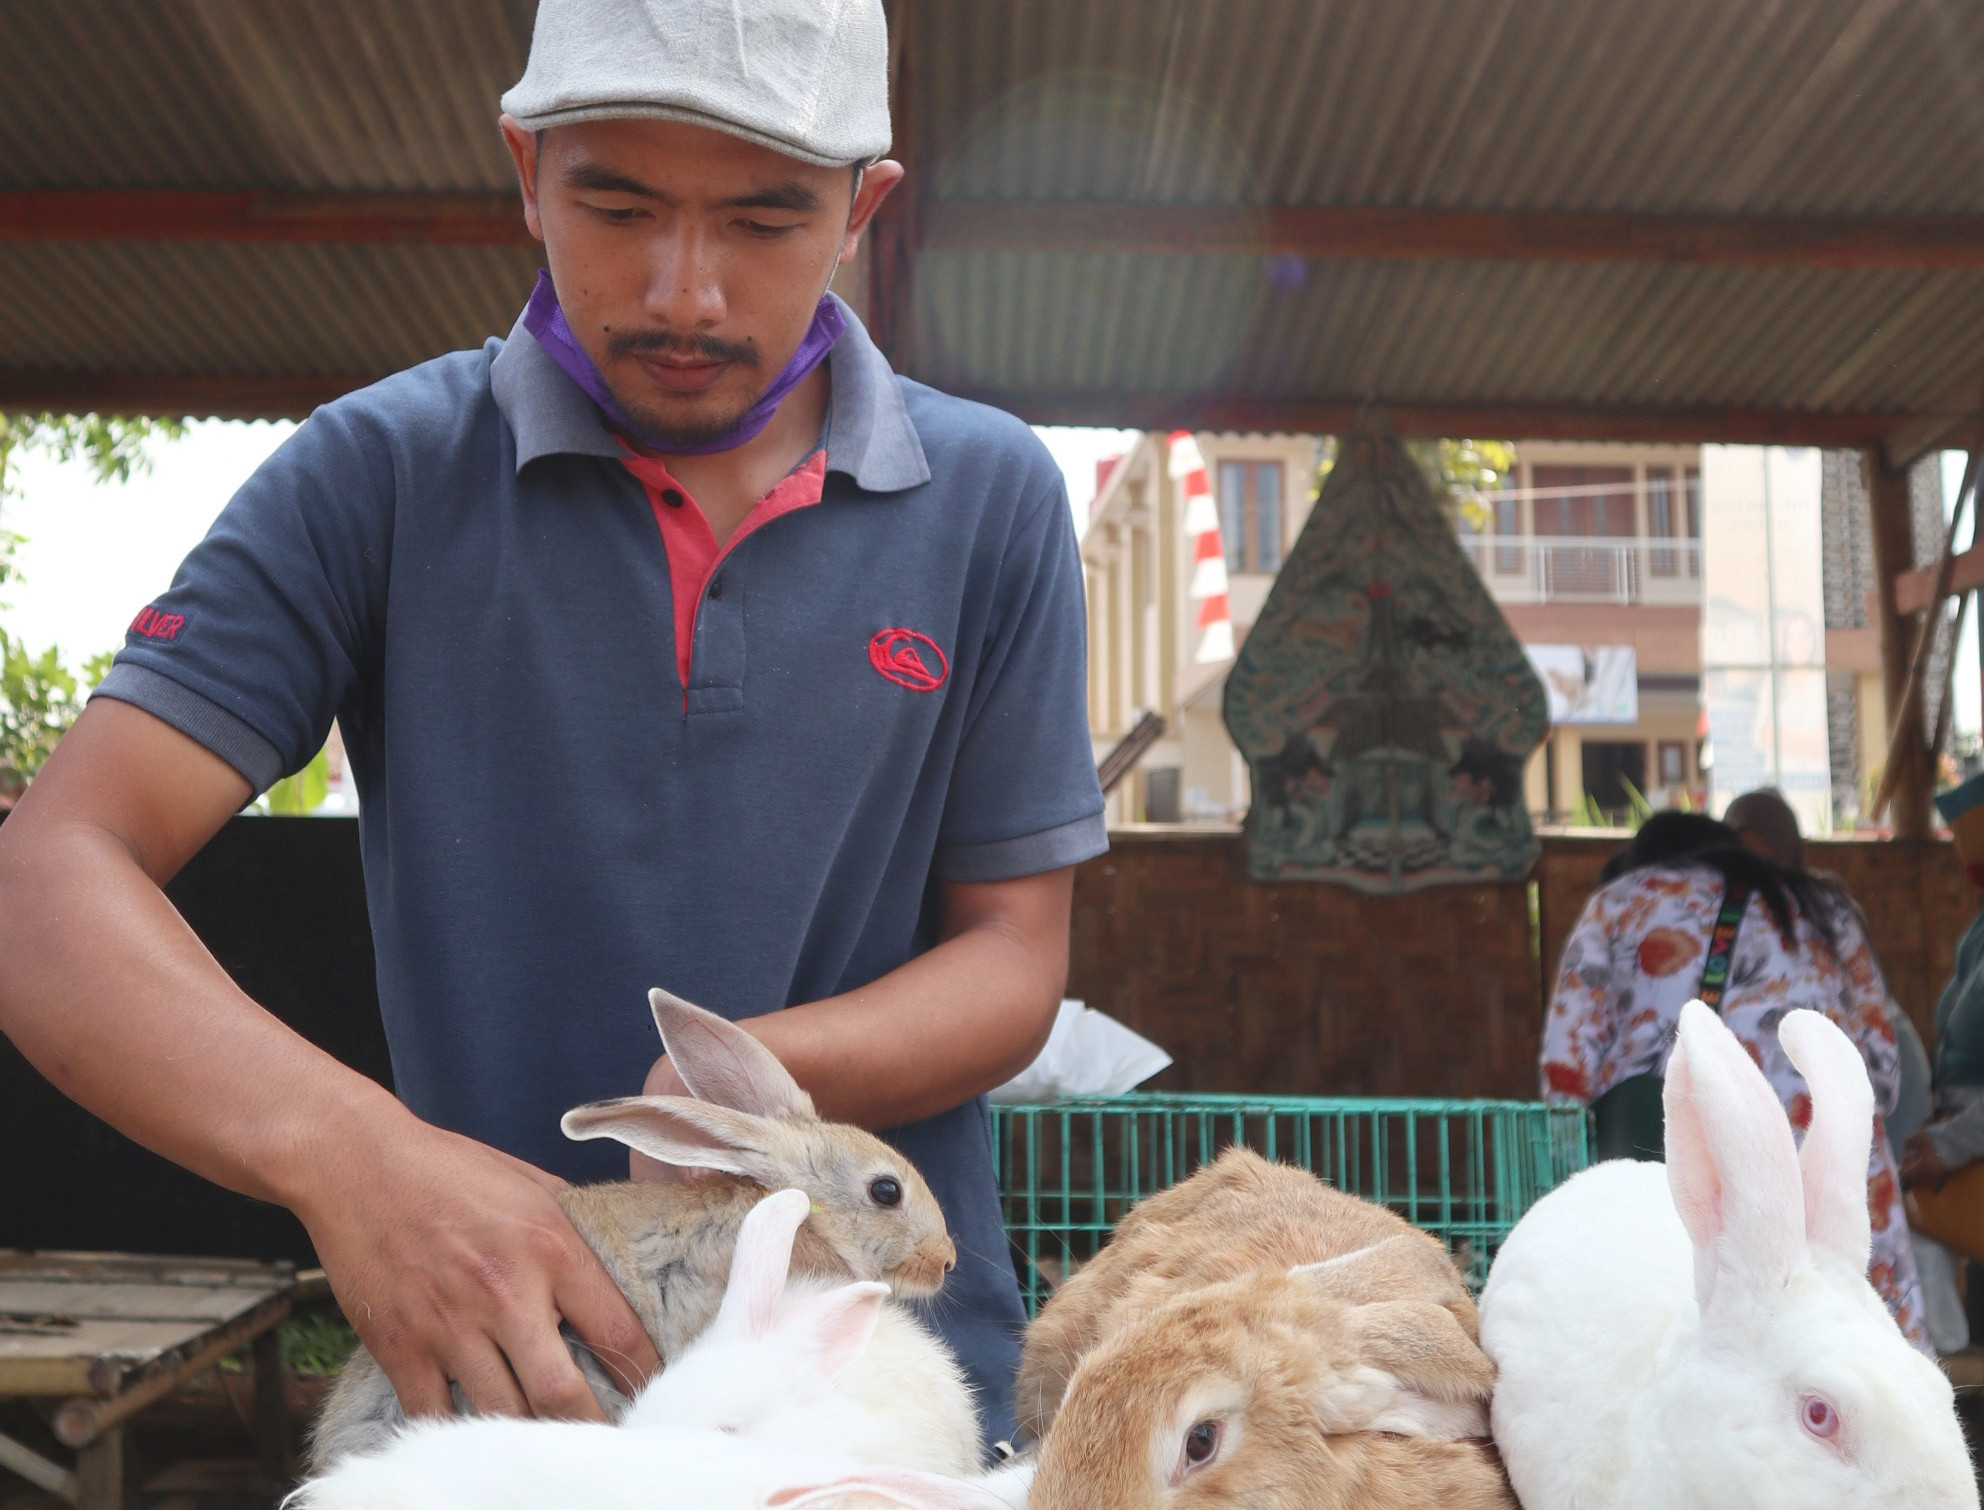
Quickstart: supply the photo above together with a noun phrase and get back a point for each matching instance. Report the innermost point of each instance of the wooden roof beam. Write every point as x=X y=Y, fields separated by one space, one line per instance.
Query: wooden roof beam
x=1945 y=243
x=1920 y=243
x=184 y=215
x=1915 y=590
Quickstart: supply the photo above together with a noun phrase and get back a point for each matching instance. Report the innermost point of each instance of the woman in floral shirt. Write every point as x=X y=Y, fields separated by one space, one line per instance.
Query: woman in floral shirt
x=1636 y=956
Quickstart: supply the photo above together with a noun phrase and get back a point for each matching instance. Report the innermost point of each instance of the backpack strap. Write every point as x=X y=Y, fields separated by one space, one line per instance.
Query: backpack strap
x=1722 y=945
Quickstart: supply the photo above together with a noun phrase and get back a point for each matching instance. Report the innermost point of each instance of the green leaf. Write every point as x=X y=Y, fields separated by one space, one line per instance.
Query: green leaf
x=302 y=794
x=38 y=702
x=1638 y=809
x=114 y=446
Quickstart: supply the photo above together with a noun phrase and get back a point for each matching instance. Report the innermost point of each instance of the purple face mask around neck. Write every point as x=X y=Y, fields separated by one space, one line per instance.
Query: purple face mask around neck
x=545 y=320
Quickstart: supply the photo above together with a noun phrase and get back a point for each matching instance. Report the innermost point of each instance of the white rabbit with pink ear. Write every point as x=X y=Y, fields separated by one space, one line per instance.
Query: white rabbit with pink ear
x=1704 y=1334
x=837 y=1369
x=747 y=1418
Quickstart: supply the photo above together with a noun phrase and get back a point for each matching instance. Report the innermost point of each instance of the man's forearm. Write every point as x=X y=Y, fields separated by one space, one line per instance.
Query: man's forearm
x=108 y=993
x=948 y=1025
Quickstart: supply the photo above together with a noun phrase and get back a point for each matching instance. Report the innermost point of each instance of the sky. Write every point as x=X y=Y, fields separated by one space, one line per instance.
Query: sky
x=96 y=554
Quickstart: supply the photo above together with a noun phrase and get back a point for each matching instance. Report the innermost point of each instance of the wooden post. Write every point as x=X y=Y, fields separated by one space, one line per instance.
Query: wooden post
x=272 y=1409
x=895 y=234
x=100 y=1472
x=1894 y=553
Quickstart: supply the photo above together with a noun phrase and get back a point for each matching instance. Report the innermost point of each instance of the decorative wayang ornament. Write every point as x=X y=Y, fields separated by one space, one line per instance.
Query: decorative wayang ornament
x=1381 y=699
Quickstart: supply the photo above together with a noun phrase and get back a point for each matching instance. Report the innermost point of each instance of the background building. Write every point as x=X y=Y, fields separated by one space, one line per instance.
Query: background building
x=1593 y=551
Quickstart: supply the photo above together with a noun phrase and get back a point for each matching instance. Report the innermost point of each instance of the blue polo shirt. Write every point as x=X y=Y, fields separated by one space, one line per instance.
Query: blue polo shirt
x=886 y=690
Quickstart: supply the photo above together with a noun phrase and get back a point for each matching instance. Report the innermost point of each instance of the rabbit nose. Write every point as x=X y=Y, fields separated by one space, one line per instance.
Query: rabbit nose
x=922 y=1273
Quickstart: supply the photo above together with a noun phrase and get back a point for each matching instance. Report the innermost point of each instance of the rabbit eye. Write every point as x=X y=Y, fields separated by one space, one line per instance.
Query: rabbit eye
x=1201 y=1442
x=1818 y=1416
x=885 y=1190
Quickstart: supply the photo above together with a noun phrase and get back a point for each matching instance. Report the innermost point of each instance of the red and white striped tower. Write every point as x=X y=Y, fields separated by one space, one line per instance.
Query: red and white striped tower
x=1208 y=588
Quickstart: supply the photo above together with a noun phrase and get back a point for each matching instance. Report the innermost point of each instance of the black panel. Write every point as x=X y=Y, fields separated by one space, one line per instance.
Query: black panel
x=281 y=903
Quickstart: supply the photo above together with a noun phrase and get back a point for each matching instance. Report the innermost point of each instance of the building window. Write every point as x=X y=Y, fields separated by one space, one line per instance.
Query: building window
x=1250 y=514
x=1662 y=521
x=1673 y=763
x=1583 y=502
x=1614 y=771
x=1691 y=482
x=1577 y=510
x=1508 y=522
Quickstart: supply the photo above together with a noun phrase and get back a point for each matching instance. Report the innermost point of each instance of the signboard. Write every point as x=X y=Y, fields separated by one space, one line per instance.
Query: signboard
x=1588 y=684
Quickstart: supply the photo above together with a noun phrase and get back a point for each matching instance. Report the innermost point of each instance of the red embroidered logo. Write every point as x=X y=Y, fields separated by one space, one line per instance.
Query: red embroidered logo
x=153 y=625
x=909 y=659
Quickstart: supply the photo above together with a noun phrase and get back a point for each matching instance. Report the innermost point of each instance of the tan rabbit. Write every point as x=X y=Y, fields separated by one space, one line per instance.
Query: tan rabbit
x=749 y=1130
x=1272 y=1391
x=1237 y=1216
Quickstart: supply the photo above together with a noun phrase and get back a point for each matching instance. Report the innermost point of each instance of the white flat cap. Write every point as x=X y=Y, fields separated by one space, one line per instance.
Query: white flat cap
x=809 y=78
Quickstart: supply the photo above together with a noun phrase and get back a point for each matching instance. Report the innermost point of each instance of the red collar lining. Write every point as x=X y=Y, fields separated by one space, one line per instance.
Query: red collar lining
x=693 y=556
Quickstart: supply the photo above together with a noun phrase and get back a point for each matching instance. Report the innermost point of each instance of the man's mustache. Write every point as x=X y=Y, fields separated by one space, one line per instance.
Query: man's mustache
x=695 y=348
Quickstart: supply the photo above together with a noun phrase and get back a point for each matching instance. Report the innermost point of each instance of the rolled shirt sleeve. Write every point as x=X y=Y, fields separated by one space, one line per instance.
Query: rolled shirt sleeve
x=267 y=622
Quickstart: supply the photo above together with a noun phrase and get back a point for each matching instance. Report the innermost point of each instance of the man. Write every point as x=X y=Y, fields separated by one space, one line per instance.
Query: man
x=675 y=641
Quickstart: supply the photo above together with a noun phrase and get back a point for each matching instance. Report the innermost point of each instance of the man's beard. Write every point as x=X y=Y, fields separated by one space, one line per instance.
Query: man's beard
x=663 y=429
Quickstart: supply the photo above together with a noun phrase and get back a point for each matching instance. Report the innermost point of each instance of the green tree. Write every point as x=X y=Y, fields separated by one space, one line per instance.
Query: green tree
x=1463 y=470
x=1460 y=470
x=39 y=696
x=300 y=795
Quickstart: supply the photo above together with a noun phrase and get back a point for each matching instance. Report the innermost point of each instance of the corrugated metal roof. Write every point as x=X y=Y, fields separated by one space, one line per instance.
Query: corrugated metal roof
x=1759 y=107
x=1825 y=106
x=258 y=94
x=332 y=311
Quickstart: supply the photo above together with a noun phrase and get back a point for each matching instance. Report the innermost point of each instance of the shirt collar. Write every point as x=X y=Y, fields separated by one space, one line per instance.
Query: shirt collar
x=870 y=437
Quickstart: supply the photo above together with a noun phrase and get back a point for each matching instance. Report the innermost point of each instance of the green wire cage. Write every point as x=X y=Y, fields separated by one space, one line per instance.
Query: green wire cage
x=1464 y=1171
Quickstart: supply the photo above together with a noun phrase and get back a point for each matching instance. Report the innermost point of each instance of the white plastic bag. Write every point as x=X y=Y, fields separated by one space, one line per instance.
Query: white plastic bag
x=1087 y=1054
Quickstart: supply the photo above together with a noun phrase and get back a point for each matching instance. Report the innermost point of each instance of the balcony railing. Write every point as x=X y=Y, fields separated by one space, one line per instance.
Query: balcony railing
x=1587 y=568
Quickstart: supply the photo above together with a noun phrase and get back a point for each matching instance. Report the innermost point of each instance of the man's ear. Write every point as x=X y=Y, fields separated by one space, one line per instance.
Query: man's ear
x=523 y=151
x=876 y=181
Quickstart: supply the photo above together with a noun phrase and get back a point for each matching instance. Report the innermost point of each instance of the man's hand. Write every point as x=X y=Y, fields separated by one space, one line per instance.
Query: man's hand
x=455 y=1261
x=1921 y=1164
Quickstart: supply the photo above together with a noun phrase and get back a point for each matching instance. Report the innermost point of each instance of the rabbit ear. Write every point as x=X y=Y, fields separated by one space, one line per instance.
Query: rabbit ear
x=723 y=1064
x=888 y=1486
x=1420 y=1375
x=831 y=1329
x=1731 y=1163
x=759 y=1262
x=676 y=1130
x=1833 y=1158
x=1404 y=1265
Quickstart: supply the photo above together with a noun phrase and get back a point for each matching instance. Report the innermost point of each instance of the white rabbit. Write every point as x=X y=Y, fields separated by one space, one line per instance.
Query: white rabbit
x=483 y=1463
x=1704 y=1334
x=749 y=1129
x=745 y=1419
x=901 y=1400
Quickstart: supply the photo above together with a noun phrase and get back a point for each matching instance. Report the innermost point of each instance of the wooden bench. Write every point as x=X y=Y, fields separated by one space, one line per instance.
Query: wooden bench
x=107 y=1334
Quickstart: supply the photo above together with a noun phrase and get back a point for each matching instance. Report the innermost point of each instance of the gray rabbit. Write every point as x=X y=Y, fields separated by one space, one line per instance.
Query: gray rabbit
x=749 y=1129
